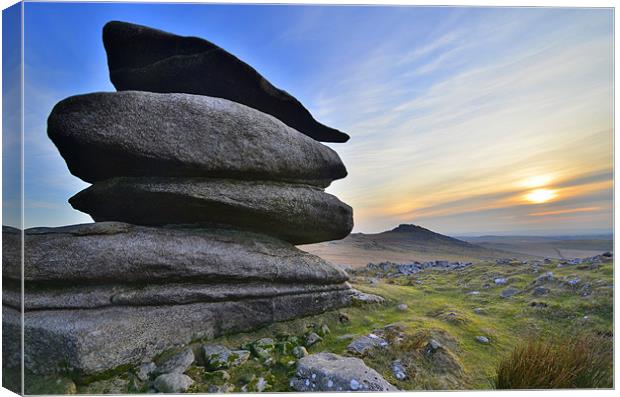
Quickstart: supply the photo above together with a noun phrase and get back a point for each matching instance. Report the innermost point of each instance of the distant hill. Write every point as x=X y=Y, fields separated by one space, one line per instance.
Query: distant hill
x=559 y=247
x=405 y=243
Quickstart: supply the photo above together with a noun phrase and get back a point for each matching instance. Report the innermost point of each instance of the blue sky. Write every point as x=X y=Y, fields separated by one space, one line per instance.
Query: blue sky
x=463 y=120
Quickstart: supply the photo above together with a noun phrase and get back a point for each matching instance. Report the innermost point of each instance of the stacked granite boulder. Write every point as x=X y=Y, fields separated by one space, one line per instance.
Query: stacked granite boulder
x=202 y=183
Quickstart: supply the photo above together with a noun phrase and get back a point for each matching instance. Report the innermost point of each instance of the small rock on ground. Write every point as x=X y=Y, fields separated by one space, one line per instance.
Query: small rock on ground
x=299 y=352
x=508 y=292
x=402 y=307
x=482 y=339
x=172 y=383
x=313 y=338
x=144 y=371
x=538 y=291
x=433 y=346
x=365 y=343
x=177 y=364
x=360 y=298
x=218 y=357
x=398 y=370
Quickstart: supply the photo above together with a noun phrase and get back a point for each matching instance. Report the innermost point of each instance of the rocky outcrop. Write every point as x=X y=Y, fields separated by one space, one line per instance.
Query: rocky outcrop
x=299 y=214
x=197 y=202
x=105 y=135
x=146 y=59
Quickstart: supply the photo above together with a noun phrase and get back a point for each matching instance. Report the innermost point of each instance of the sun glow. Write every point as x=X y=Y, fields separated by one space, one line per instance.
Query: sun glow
x=539 y=196
x=536 y=181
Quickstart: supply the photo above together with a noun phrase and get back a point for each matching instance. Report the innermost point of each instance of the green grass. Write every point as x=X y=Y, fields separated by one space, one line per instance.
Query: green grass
x=440 y=308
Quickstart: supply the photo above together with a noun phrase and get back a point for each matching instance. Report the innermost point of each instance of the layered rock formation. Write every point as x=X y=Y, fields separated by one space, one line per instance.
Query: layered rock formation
x=197 y=201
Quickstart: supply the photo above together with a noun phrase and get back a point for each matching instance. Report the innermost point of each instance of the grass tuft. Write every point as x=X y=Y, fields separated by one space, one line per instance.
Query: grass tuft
x=584 y=361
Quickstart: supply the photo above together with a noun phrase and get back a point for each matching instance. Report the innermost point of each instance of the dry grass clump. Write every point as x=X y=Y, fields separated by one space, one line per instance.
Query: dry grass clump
x=584 y=361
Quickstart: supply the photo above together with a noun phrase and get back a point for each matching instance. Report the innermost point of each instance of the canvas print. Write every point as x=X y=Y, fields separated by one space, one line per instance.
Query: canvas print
x=234 y=198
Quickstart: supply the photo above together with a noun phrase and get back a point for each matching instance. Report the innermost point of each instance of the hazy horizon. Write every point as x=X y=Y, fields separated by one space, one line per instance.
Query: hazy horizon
x=466 y=121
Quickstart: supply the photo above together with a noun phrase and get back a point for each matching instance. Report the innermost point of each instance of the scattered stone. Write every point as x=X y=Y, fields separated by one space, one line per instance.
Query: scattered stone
x=500 y=281
x=397 y=269
x=540 y=290
x=482 y=339
x=177 y=364
x=364 y=344
x=173 y=383
x=265 y=343
x=538 y=305
x=260 y=385
x=479 y=310
x=359 y=298
x=312 y=339
x=432 y=346
x=225 y=388
x=544 y=278
x=218 y=357
x=144 y=371
x=331 y=372
x=146 y=59
x=574 y=281
x=343 y=318
x=402 y=307
x=474 y=293
x=508 y=292
x=398 y=370
x=299 y=352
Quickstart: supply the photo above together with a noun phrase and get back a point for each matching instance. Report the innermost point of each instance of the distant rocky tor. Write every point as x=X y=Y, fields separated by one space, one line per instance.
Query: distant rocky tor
x=198 y=202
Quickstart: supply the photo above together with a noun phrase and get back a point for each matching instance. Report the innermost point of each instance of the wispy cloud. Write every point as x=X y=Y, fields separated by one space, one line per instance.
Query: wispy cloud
x=469 y=115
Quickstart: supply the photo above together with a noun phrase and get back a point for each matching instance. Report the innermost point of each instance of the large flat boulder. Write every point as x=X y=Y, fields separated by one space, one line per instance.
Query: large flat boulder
x=86 y=342
x=107 y=252
x=331 y=372
x=105 y=135
x=145 y=59
x=299 y=214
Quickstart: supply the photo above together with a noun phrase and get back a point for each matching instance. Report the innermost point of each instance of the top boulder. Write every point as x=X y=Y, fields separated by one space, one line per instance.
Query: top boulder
x=145 y=59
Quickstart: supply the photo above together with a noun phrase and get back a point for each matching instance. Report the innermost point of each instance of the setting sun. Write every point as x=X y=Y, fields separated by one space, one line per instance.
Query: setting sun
x=539 y=196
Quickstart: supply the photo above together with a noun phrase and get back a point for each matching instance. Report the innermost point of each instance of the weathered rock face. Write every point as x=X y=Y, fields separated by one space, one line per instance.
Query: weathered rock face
x=331 y=372
x=107 y=294
x=92 y=341
x=299 y=214
x=41 y=297
x=112 y=252
x=105 y=135
x=145 y=59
